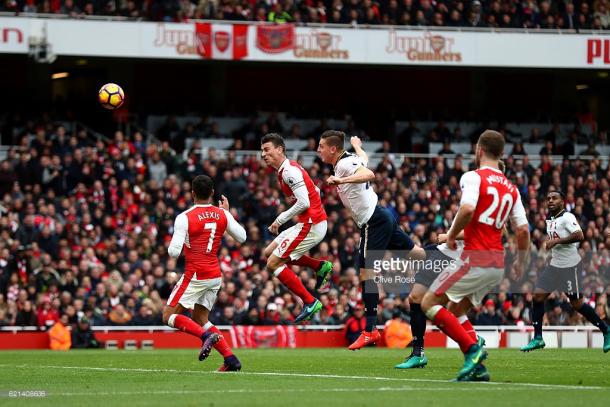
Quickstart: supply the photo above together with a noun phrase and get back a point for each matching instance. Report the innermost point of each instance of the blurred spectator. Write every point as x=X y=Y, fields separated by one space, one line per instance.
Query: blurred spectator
x=355 y=324
x=82 y=335
x=397 y=332
x=96 y=245
x=489 y=315
x=59 y=335
x=547 y=14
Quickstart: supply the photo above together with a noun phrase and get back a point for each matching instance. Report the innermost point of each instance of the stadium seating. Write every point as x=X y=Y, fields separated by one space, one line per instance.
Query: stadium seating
x=83 y=278
x=548 y=14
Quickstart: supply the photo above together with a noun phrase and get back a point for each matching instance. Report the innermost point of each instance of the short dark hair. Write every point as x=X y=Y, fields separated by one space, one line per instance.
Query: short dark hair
x=202 y=186
x=492 y=143
x=334 y=138
x=275 y=139
x=558 y=192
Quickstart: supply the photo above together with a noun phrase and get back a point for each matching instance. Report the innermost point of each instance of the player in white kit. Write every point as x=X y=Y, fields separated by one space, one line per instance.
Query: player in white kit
x=379 y=230
x=563 y=273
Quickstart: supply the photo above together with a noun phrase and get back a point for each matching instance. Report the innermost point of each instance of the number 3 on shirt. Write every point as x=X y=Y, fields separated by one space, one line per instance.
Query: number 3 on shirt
x=506 y=204
x=212 y=227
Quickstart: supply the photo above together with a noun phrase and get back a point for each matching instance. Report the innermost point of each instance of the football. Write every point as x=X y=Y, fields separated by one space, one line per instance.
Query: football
x=111 y=96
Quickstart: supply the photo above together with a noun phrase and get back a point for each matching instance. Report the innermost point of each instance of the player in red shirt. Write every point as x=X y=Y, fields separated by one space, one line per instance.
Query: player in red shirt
x=488 y=201
x=290 y=246
x=199 y=231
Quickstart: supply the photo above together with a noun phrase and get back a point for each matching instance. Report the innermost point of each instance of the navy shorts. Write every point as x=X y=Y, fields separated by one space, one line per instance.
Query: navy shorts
x=567 y=280
x=426 y=276
x=379 y=234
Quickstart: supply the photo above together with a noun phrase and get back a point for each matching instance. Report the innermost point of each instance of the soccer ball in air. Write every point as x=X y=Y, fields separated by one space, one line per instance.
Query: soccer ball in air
x=111 y=96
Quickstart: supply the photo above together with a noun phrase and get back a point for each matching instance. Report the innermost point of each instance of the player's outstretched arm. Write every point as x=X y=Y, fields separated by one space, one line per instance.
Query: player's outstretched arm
x=462 y=218
x=178 y=238
x=469 y=183
x=234 y=229
x=574 y=237
x=294 y=179
x=442 y=238
x=520 y=225
x=523 y=250
x=361 y=176
x=357 y=144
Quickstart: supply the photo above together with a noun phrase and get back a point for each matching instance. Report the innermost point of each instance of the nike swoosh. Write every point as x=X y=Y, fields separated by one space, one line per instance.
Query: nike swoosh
x=476 y=360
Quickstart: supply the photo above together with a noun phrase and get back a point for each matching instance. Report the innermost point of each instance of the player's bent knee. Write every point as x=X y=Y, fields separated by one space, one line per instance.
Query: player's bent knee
x=455 y=309
x=417 y=253
x=169 y=318
x=415 y=298
x=273 y=263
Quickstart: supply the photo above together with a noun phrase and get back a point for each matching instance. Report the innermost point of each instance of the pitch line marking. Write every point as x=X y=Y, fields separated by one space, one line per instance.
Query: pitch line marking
x=310 y=375
x=249 y=391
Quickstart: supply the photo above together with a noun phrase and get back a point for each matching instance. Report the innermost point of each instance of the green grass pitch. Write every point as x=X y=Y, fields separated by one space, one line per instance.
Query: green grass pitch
x=302 y=377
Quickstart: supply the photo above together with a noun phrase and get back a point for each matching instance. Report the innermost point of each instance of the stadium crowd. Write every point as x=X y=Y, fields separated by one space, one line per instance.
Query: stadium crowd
x=578 y=14
x=85 y=225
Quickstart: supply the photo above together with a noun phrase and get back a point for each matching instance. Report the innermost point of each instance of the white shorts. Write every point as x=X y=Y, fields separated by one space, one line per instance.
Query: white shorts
x=295 y=241
x=459 y=281
x=189 y=292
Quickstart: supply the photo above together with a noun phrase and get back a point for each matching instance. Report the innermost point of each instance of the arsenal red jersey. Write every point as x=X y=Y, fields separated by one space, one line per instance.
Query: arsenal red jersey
x=199 y=231
x=495 y=199
x=292 y=177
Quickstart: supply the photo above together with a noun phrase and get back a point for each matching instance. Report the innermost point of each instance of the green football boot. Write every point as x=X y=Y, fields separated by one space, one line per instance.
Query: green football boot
x=536 y=343
x=322 y=274
x=413 y=362
x=308 y=311
x=479 y=374
x=607 y=342
x=473 y=358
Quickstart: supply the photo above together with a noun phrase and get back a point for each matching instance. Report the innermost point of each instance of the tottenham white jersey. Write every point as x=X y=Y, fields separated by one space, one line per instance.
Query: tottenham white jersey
x=360 y=198
x=563 y=225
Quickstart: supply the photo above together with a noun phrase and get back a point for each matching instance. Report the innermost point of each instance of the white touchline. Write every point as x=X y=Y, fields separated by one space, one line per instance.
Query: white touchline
x=248 y=391
x=322 y=376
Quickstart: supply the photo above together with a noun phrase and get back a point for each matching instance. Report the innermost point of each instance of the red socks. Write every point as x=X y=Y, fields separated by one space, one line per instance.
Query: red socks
x=221 y=346
x=306 y=261
x=469 y=329
x=294 y=284
x=185 y=324
x=448 y=323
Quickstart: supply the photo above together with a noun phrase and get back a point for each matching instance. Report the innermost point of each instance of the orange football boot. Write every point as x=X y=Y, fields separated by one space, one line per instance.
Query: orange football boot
x=365 y=338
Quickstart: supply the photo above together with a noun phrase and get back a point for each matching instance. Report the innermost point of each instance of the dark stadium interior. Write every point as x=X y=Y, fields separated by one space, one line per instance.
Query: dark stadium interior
x=373 y=97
